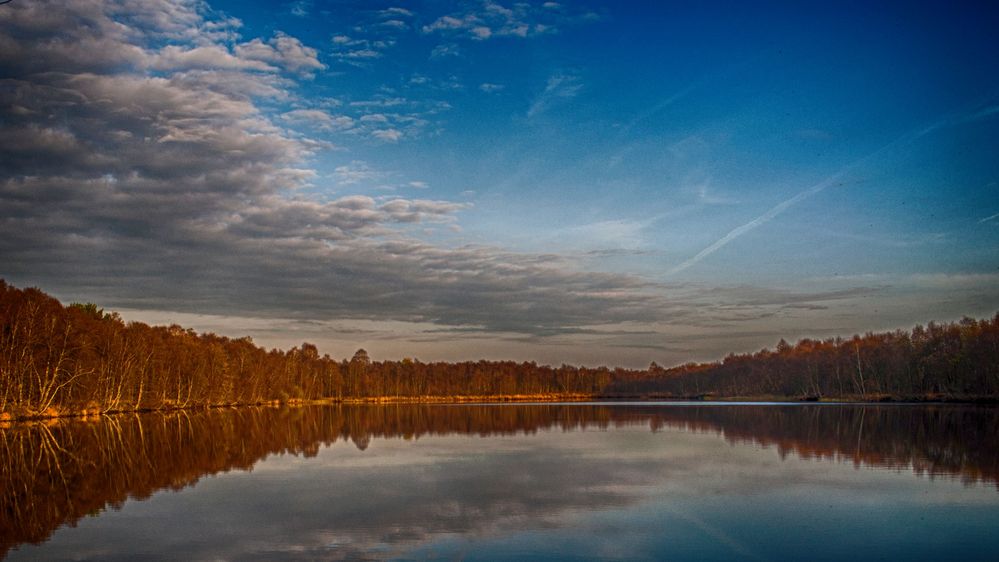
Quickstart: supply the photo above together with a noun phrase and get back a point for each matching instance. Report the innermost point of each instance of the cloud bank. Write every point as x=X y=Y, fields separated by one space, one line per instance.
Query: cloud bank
x=156 y=159
x=142 y=170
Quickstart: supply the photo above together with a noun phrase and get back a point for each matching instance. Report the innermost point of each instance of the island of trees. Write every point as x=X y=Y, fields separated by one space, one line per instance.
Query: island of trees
x=77 y=360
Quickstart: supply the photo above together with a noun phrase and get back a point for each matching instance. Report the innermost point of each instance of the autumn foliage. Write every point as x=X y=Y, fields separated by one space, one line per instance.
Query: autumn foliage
x=954 y=361
x=79 y=360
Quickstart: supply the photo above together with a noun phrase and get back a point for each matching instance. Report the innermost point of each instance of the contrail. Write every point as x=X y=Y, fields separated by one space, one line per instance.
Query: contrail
x=658 y=107
x=762 y=219
x=785 y=205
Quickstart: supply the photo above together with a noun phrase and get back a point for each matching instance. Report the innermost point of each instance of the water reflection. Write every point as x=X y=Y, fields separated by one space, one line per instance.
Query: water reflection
x=352 y=502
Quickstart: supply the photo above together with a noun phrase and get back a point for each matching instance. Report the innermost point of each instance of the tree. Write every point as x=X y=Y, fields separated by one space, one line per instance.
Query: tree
x=361 y=357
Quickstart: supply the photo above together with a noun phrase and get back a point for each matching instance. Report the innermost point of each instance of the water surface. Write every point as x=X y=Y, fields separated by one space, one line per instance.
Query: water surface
x=544 y=481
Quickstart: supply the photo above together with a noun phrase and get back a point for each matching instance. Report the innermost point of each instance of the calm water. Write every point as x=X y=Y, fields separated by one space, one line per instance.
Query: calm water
x=651 y=481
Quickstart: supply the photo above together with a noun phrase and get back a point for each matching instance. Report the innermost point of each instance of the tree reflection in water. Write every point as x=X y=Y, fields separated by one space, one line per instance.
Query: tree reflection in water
x=54 y=474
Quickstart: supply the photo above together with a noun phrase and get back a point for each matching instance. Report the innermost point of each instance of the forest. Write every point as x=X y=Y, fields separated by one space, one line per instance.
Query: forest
x=946 y=361
x=79 y=360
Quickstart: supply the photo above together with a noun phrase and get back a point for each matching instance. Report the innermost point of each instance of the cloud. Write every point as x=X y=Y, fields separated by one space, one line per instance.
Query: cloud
x=445 y=50
x=282 y=50
x=300 y=8
x=359 y=51
x=149 y=164
x=374 y=118
x=397 y=24
x=560 y=87
x=97 y=38
x=361 y=54
x=173 y=57
x=620 y=233
x=450 y=83
x=380 y=101
x=367 y=40
x=337 y=220
x=236 y=84
x=444 y=22
x=356 y=172
x=395 y=12
x=383 y=118
x=392 y=119
x=490 y=88
x=421 y=210
x=486 y=19
x=387 y=135
x=319 y=119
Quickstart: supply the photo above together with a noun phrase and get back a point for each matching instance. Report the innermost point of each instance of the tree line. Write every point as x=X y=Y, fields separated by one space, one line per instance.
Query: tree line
x=958 y=360
x=81 y=360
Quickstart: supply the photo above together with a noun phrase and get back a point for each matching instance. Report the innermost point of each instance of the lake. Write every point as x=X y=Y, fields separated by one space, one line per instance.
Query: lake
x=678 y=481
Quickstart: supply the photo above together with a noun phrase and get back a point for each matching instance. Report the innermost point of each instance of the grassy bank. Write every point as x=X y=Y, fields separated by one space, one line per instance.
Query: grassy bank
x=92 y=414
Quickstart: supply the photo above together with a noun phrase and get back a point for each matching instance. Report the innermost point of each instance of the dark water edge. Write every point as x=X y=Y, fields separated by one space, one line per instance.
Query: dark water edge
x=59 y=473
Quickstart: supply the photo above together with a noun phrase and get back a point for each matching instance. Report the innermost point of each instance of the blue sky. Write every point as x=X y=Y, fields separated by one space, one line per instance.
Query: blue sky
x=577 y=181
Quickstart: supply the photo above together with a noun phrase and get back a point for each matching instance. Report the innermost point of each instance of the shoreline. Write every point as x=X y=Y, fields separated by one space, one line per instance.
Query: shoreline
x=53 y=414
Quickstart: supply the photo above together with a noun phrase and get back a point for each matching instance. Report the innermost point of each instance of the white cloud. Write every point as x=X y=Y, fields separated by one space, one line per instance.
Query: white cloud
x=356 y=172
x=481 y=32
x=173 y=57
x=445 y=50
x=618 y=234
x=282 y=50
x=359 y=54
x=319 y=119
x=396 y=12
x=139 y=156
x=387 y=135
x=445 y=22
x=389 y=118
x=560 y=86
x=369 y=39
x=487 y=19
x=396 y=24
x=374 y=118
x=300 y=8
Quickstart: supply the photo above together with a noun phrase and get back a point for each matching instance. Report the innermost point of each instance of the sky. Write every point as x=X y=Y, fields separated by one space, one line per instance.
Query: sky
x=585 y=182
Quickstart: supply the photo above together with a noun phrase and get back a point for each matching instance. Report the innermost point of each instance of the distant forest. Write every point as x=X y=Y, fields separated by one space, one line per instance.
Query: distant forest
x=79 y=360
